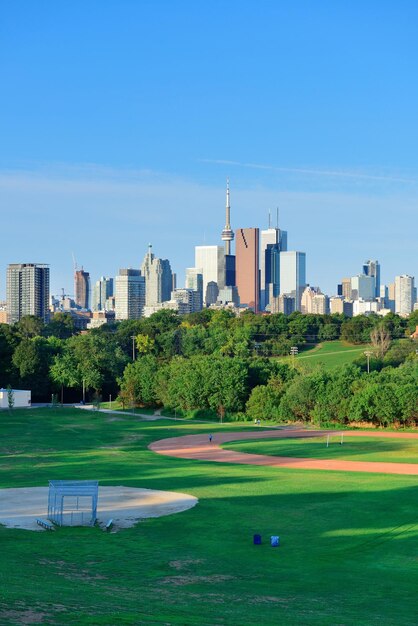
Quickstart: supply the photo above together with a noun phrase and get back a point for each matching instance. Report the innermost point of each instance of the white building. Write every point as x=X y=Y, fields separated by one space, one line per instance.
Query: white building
x=129 y=294
x=293 y=275
x=362 y=307
x=363 y=287
x=404 y=294
x=211 y=259
x=21 y=398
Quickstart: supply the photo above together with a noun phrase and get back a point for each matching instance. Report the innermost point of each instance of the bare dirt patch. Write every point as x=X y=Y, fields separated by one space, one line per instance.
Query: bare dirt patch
x=21 y=507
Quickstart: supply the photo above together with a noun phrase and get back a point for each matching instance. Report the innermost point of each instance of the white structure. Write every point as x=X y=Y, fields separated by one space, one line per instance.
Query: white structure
x=293 y=275
x=404 y=294
x=212 y=261
x=227 y=234
x=21 y=398
x=129 y=294
x=362 y=307
x=363 y=287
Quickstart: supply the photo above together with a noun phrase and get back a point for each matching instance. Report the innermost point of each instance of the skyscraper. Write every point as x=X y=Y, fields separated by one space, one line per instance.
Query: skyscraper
x=372 y=268
x=129 y=294
x=363 y=287
x=158 y=279
x=227 y=233
x=272 y=242
x=404 y=294
x=82 y=288
x=293 y=275
x=212 y=261
x=27 y=287
x=102 y=290
x=247 y=267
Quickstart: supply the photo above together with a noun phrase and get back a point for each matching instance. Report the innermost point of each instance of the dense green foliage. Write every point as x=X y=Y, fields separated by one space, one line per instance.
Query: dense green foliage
x=348 y=541
x=225 y=364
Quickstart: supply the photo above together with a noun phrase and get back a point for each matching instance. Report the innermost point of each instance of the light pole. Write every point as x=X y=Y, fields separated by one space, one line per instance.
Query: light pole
x=294 y=351
x=368 y=355
x=84 y=392
x=133 y=347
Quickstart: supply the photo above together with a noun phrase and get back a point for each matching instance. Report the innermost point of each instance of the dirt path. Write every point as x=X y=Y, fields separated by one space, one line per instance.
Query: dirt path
x=199 y=447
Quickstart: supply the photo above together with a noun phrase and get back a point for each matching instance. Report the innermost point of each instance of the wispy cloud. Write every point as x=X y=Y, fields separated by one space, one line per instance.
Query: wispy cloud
x=315 y=172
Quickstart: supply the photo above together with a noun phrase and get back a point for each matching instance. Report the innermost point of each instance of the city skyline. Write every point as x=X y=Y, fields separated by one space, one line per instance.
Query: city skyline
x=128 y=136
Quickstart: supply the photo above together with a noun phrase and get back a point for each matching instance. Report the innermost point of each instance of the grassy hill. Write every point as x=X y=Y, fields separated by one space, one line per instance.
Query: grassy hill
x=348 y=542
x=332 y=353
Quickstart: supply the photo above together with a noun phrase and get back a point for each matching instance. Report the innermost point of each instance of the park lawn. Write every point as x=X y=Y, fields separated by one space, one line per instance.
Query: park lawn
x=348 y=541
x=330 y=354
x=353 y=448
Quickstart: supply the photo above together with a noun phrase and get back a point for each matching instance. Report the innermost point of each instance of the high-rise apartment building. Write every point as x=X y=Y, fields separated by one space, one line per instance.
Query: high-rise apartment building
x=194 y=281
x=102 y=290
x=247 y=267
x=27 y=286
x=404 y=294
x=129 y=294
x=211 y=259
x=158 y=279
x=188 y=300
x=293 y=275
x=82 y=288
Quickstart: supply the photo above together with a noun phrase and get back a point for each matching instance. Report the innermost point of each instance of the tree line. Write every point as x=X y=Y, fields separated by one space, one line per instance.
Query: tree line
x=217 y=362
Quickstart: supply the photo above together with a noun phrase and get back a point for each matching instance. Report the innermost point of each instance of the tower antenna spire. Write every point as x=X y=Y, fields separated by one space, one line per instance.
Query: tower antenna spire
x=277 y=218
x=269 y=219
x=227 y=233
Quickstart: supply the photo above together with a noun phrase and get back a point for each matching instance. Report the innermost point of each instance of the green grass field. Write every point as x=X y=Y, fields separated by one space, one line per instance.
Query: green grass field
x=330 y=354
x=353 y=448
x=348 y=551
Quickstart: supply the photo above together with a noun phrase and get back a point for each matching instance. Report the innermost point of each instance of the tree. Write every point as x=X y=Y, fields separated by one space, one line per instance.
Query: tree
x=29 y=326
x=144 y=344
x=61 y=325
x=264 y=402
x=357 y=329
x=10 y=397
x=138 y=385
x=33 y=358
x=381 y=340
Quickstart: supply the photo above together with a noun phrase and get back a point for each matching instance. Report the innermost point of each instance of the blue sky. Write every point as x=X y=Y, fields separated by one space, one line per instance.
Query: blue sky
x=120 y=121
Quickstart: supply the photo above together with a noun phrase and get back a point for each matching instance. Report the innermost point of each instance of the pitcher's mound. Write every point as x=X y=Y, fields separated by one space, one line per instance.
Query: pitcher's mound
x=20 y=508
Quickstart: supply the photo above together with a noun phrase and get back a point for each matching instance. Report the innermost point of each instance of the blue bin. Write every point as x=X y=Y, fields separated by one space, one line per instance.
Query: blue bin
x=257 y=540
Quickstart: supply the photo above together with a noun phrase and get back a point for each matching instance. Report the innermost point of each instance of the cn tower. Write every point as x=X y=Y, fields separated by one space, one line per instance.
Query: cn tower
x=227 y=233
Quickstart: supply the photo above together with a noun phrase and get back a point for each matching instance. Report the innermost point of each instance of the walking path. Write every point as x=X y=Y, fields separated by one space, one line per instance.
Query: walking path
x=198 y=447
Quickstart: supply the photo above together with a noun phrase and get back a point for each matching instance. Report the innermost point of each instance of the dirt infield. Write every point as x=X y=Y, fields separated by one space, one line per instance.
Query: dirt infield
x=198 y=447
x=20 y=507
